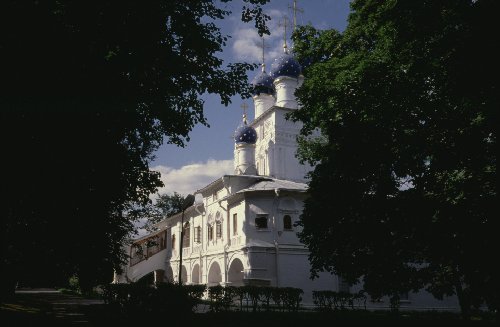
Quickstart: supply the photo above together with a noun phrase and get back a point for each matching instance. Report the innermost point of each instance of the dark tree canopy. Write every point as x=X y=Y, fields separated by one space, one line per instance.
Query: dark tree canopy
x=89 y=91
x=164 y=206
x=403 y=193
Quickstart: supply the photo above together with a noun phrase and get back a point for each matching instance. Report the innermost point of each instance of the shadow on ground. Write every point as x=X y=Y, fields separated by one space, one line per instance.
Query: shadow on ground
x=49 y=307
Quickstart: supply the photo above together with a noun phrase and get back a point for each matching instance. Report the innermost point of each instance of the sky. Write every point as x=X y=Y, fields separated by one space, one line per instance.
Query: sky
x=209 y=153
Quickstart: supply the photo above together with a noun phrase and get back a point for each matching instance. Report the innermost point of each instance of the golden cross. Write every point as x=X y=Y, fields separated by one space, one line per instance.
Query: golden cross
x=244 y=106
x=283 y=23
x=264 y=47
x=295 y=9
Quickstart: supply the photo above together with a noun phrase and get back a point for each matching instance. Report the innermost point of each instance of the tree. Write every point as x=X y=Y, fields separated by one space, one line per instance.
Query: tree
x=89 y=91
x=403 y=193
x=164 y=206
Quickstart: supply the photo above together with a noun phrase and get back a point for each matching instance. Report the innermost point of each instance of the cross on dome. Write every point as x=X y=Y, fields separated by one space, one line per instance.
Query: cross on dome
x=295 y=9
x=283 y=23
x=244 y=106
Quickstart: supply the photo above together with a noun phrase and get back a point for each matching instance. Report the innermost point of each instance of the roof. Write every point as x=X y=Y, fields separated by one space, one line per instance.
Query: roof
x=145 y=237
x=265 y=113
x=273 y=184
x=220 y=181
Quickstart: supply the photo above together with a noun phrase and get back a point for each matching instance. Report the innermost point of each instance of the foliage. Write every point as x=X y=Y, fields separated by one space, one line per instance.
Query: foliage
x=138 y=299
x=165 y=205
x=171 y=297
x=74 y=283
x=89 y=92
x=403 y=193
x=220 y=298
x=265 y=297
x=331 y=300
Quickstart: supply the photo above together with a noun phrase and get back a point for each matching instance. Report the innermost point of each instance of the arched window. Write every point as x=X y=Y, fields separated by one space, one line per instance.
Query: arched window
x=173 y=241
x=186 y=236
x=197 y=234
x=210 y=231
x=235 y=224
x=218 y=229
x=287 y=222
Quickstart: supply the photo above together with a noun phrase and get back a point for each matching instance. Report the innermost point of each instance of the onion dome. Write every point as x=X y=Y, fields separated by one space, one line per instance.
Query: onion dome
x=262 y=83
x=245 y=134
x=285 y=65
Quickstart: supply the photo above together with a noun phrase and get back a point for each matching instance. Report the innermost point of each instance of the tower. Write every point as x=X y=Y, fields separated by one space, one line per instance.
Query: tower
x=285 y=72
x=262 y=89
x=245 y=138
x=276 y=145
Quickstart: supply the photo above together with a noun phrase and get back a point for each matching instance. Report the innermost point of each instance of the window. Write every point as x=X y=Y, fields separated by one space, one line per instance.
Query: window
x=173 y=241
x=186 y=236
x=197 y=234
x=287 y=222
x=218 y=229
x=235 y=224
x=210 y=232
x=261 y=222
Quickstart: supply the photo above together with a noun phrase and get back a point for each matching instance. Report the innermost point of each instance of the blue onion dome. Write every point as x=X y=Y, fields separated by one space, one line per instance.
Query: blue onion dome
x=245 y=134
x=285 y=65
x=262 y=83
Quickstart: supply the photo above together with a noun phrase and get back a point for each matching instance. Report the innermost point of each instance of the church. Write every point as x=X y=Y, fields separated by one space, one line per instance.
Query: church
x=241 y=228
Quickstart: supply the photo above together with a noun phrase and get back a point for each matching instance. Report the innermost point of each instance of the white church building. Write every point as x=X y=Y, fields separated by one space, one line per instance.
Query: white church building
x=242 y=228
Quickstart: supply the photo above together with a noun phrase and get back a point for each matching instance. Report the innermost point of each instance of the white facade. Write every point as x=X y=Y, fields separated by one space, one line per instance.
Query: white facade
x=243 y=230
x=256 y=242
x=276 y=146
x=285 y=87
x=244 y=159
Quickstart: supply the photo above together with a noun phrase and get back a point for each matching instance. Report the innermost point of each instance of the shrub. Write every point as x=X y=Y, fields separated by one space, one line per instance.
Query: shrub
x=330 y=300
x=135 y=298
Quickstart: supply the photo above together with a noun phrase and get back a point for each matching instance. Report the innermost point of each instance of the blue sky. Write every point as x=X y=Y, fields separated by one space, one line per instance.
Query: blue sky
x=209 y=153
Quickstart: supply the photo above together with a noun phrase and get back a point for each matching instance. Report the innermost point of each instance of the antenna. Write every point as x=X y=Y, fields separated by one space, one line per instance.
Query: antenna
x=295 y=9
x=283 y=23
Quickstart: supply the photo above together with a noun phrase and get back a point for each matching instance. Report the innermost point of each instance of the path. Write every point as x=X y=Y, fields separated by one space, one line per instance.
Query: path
x=47 y=305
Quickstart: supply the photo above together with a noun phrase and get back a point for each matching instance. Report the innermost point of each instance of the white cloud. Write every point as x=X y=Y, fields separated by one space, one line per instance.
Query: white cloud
x=192 y=177
x=188 y=179
x=247 y=44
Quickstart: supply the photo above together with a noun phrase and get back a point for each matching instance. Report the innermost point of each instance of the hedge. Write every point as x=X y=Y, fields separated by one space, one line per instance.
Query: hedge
x=138 y=298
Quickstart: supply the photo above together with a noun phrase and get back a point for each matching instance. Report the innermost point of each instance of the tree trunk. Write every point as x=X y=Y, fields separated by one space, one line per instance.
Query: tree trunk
x=464 y=301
